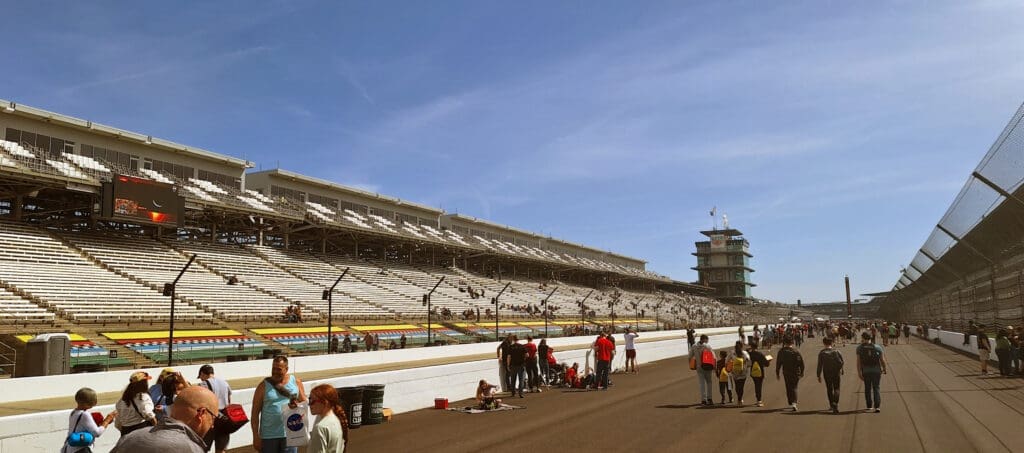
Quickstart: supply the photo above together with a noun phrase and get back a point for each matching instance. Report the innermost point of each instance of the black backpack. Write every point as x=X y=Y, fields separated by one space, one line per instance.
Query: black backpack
x=869 y=355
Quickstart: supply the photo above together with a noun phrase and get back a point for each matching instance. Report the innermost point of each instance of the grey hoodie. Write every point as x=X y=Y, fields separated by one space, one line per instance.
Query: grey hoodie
x=168 y=436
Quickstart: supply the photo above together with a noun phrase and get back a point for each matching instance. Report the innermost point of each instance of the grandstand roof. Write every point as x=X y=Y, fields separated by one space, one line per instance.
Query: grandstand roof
x=472 y=219
x=13 y=108
x=290 y=175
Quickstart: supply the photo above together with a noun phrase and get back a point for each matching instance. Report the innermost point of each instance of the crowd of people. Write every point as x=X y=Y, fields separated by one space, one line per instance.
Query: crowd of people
x=746 y=360
x=173 y=415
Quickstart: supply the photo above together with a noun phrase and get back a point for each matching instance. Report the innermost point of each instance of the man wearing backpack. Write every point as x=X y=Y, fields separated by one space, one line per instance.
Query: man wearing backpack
x=704 y=357
x=870 y=368
x=791 y=366
x=831 y=362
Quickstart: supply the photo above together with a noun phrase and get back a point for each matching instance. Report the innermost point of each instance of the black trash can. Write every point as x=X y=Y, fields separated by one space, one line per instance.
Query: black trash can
x=373 y=404
x=352 y=400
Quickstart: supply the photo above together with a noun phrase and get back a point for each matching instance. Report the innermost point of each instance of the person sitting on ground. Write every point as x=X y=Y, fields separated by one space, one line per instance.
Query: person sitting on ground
x=572 y=376
x=485 y=395
x=82 y=422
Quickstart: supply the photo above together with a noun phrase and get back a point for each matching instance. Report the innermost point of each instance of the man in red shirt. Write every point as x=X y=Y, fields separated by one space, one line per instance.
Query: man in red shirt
x=603 y=352
x=531 y=365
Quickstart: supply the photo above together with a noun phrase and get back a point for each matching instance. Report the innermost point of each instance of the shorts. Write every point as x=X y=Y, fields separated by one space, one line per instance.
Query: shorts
x=631 y=353
x=983 y=355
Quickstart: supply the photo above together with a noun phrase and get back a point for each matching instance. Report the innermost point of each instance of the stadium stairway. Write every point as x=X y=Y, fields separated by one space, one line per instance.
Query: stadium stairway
x=270 y=259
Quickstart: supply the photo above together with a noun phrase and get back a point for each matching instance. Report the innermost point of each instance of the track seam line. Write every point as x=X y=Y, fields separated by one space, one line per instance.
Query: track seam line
x=936 y=385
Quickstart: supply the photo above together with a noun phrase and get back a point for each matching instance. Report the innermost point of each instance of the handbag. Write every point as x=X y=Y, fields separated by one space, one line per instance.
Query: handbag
x=231 y=418
x=80 y=438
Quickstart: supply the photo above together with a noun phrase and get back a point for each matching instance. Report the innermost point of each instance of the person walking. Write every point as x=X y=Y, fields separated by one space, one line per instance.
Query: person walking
x=630 y=338
x=984 y=349
x=222 y=389
x=759 y=364
x=722 y=369
x=870 y=368
x=703 y=357
x=906 y=333
x=830 y=361
x=741 y=364
x=135 y=408
x=603 y=350
x=330 y=429
x=269 y=398
x=791 y=366
x=1003 y=352
x=80 y=421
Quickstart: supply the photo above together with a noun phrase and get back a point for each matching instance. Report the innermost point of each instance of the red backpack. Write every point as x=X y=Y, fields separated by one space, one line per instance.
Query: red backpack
x=707 y=359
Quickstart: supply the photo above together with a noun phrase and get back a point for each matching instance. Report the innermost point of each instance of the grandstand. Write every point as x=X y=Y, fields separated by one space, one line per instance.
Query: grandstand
x=95 y=221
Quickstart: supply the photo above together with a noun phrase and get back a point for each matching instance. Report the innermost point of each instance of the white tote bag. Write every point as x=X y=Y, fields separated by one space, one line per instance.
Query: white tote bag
x=296 y=424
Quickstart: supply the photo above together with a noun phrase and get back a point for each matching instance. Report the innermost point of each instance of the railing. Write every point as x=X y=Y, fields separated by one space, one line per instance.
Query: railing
x=8 y=360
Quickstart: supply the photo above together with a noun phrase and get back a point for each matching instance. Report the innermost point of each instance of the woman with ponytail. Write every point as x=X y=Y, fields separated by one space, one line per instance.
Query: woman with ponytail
x=330 y=430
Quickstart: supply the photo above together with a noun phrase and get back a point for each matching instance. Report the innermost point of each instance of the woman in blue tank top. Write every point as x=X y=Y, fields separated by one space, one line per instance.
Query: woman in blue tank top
x=268 y=402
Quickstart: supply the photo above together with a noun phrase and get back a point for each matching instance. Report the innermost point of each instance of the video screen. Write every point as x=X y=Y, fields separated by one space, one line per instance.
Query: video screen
x=142 y=200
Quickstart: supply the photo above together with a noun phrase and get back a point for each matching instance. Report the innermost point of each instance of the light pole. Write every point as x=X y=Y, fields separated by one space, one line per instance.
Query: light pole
x=583 y=310
x=544 y=304
x=636 y=308
x=494 y=300
x=426 y=301
x=329 y=297
x=169 y=291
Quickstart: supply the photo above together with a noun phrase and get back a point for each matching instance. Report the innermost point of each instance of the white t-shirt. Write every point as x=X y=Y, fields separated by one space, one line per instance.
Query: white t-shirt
x=629 y=340
x=219 y=387
x=85 y=423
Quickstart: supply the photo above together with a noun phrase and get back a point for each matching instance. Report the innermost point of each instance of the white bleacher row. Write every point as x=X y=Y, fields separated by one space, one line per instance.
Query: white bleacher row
x=385 y=289
x=16 y=149
x=155 y=263
x=353 y=296
x=15 y=309
x=68 y=283
x=445 y=295
x=86 y=162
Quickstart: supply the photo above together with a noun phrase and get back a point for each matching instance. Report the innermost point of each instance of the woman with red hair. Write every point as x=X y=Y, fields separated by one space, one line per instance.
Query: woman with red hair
x=330 y=430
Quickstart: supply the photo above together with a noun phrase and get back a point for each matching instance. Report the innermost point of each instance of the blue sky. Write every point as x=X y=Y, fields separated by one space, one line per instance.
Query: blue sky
x=833 y=134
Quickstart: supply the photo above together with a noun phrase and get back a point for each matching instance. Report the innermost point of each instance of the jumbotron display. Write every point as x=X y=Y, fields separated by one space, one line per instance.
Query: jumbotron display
x=132 y=199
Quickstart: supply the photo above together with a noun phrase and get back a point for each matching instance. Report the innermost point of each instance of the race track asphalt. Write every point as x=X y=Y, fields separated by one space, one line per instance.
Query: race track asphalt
x=932 y=400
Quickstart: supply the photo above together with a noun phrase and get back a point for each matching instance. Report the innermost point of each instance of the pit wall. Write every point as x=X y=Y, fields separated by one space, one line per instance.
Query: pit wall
x=406 y=389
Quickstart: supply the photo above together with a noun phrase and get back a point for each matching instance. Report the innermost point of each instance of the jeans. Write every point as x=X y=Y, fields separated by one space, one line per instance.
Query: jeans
x=545 y=369
x=739 y=388
x=278 y=445
x=791 y=381
x=704 y=378
x=516 y=372
x=531 y=372
x=1004 y=361
x=872 y=381
x=832 y=389
x=602 y=373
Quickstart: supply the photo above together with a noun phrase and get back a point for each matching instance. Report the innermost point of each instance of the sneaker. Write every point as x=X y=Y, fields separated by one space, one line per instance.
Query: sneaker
x=868 y=409
x=835 y=410
x=760 y=404
x=794 y=407
x=539 y=390
x=877 y=410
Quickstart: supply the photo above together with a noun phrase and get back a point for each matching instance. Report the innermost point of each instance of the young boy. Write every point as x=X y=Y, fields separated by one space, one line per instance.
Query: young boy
x=724 y=376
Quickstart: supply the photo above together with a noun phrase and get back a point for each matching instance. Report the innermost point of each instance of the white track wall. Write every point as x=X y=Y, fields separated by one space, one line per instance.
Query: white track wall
x=406 y=390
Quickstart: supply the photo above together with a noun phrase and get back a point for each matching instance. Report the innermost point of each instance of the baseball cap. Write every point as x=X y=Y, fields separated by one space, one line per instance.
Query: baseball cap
x=205 y=369
x=139 y=376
